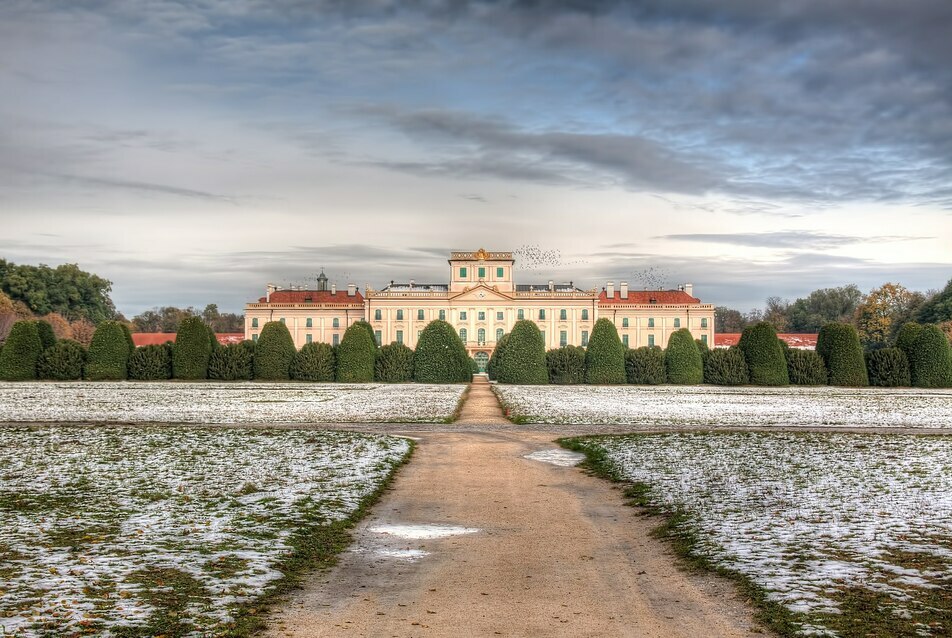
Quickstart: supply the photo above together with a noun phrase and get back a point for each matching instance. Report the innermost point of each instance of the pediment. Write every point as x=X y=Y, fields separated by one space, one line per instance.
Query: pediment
x=480 y=293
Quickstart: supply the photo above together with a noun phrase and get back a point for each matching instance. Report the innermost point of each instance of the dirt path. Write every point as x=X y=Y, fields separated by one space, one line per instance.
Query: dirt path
x=538 y=550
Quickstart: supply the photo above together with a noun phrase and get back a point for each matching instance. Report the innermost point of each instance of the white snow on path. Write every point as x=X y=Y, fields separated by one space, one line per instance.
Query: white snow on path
x=89 y=515
x=805 y=514
x=422 y=531
x=718 y=406
x=219 y=402
x=562 y=458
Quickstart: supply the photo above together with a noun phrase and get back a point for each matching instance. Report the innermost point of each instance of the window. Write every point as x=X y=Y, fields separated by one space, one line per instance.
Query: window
x=462 y=273
x=377 y=316
x=624 y=322
x=378 y=337
x=584 y=338
x=651 y=322
x=650 y=340
x=542 y=314
x=481 y=335
x=521 y=314
x=482 y=272
x=462 y=334
x=442 y=315
x=677 y=322
x=254 y=322
x=336 y=322
x=584 y=314
x=335 y=340
x=498 y=316
x=543 y=336
x=282 y=320
x=309 y=323
x=704 y=322
x=400 y=315
x=308 y=338
x=704 y=339
x=481 y=316
x=624 y=340
x=499 y=334
x=254 y=337
x=419 y=314
x=500 y=273
x=563 y=338
x=418 y=333
x=462 y=315
x=563 y=314
x=399 y=336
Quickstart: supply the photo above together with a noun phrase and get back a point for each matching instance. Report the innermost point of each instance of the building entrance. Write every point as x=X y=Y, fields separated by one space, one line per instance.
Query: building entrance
x=482 y=360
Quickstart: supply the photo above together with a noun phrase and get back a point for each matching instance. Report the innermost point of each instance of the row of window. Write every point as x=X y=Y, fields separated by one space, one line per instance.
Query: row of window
x=481 y=316
x=651 y=324
x=481 y=272
x=308 y=323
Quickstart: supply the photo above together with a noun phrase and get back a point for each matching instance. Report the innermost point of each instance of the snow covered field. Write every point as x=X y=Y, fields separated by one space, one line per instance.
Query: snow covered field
x=169 y=402
x=725 y=406
x=821 y=521
x=163 y=526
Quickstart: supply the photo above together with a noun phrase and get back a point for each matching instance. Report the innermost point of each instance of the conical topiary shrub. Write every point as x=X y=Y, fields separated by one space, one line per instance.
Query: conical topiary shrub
x=906 y=337
x=842 y=353
x=682 y=360
x=108 y=355
x=440 y=356
x=314 y=362
x=274 y=353
x=494 y=360
x=192 y=350
x=524 y=359
x=394 y=364
x=763 y=353
x=605 y=355
x=47 y=336
x=21 y=352
x=929 y=365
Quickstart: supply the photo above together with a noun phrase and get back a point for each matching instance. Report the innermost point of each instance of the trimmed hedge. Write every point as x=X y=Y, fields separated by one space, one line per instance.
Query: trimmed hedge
x=129 y=340
x=703 y=348
x=524 y=360
x=274 y=352
x=108 y=355
x=806 y=367
x=838 y=344
x=682 y=359
x=645 y=366
x=192 y=350
x=370 y=330
x=234 y=362
x=726 y=367
x=356 y=355
x=763 y=352
x=929 y=365
x=314 y=362
x=888 y=368
x=605 y=355
x=566 y=365
x=63 y=361
x=21 y=352
x=493 y=366
x=151 y=363
x=394 y=364
x=440 y=356
x=906 y=337
x=47 y=336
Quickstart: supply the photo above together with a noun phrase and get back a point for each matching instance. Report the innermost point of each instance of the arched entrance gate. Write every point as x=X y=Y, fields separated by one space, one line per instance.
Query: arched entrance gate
x=482 y=360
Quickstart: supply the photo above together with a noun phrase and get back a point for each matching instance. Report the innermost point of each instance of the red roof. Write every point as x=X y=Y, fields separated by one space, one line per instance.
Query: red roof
x=803 y=341
x=313 y=296
x=158 y=338
x=648 y=297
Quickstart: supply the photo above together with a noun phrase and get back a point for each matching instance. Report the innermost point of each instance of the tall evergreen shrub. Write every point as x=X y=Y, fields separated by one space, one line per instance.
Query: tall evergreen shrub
x=493 y=366
x=394 y=364
x=763 y=353
x=129 y=340
x=234 y=362
x=524 y=359
x=369 y=328
x=906 y=337
x=314 y=362
x=703 y=348
x=726 y=367
x=151 y=363
x=566 y=365
x=440 y=356
x=806 y=367
x=605 y=355
x=838 y=344
x=645 y=366
x=930 y=364
x=21 y=352
x=274 y=352
x=47 y=336
x=192 y=350
x=682 y=360
x=888 y=368
x=108 y=355
x=63 y=361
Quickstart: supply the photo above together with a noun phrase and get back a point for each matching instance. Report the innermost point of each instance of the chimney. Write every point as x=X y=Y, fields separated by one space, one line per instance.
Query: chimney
x=271 y=288
x=351 y=290
x=610 y=289
x=689 y=288
x=334 y=289
x=623 y=289
x=551 y=286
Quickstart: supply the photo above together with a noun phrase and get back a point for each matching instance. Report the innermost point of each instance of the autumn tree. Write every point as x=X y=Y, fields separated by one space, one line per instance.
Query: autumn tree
x=822 y=306
x=880 y=312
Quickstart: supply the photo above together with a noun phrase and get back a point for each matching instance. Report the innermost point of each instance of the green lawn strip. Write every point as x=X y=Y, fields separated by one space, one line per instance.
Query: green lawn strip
x=509 y=411
x=459 y=407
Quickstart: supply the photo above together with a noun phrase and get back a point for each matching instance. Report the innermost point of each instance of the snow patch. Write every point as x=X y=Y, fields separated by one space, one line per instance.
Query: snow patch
x=562 y=458
x=420 y=532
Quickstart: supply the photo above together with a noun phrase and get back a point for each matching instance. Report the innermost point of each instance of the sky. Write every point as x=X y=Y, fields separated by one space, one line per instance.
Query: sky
x=192 y=152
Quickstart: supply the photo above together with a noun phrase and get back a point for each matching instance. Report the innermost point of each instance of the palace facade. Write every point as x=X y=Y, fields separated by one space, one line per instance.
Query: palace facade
x=482 y=302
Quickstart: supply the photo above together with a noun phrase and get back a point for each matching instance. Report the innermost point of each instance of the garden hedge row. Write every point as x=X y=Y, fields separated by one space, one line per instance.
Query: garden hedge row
x=566 y=365
x=842 y=353
x=440 y=356
x=108 y=355
x=763 y=352
x=524 y=360
x=605 y=355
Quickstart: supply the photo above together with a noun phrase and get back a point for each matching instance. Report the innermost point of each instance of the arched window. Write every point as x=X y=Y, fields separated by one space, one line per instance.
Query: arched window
x=499 y=334
x=677 y=322
x=462 y=334
x=481 y=335
x=377 y=315
x=336 y=322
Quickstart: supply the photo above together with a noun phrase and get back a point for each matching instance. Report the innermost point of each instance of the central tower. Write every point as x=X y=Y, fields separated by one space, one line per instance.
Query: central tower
x=469 y=269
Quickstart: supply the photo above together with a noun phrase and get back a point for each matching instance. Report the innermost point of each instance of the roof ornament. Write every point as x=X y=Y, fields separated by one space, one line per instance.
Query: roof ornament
x=482 y=255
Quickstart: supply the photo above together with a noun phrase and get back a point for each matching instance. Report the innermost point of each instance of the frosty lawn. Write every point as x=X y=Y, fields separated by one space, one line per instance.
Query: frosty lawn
x=842 y=534
x=162 y=530
x=171 y=402
x=662 y=406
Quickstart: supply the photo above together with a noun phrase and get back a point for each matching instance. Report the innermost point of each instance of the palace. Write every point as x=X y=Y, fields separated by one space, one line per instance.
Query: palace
x=482 y=302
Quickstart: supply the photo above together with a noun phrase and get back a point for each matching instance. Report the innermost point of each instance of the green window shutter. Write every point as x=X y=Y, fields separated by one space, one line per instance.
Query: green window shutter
x=624 y=340
x=499 y=333
x=399 y=336
x=442 y=315
x=677 y=322
x=563 y=313
x=563 y=338
x=584 y=338
x=482 y=273
x=378 y=337
x=462 y=272
x=308 y=338
x=500 y=273
x=419 y=315
x=650 y=340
